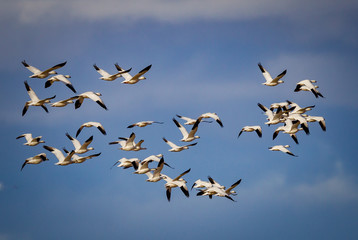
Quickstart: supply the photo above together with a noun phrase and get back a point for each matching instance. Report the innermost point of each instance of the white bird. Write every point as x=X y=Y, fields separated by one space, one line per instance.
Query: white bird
x=298 y=109
x=81 y=148
x=187 y=137
x=156 y=175
x=190 y=121
x=176 y=148
x=307 y=85
x=109 y=77
x=91 y=95
x=155 y=158
x=213 y=116
x=282 y=148
x=64 y=102
x=42 y=74
x=62 y=160
x=141 y=167
x=128 y=144
x=283 y=105
x=219 y=190
x=176 y=182
x=60 y=78
x=201 y=184
x=78 y=159
x=35 y=101
x=126 y=163
x=30 y=140
x=257 y=129
x=269 y=80
x=303 y=121
x=35 y=159
x=143 y=124
x=136 y=78
x=272 y=117
x=91 y=124
x=290 y=127
x=318 y=119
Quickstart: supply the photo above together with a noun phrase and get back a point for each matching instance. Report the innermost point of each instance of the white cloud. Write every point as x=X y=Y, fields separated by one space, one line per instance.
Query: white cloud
x=338 y=188
x=1 y=186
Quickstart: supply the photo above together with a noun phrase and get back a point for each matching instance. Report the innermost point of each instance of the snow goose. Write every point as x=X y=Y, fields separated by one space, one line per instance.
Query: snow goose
x=188 y=137
x=126 y=163
x=213 y=116
x=35 y=159
x=298 y=109
x=155 y=158
x=81 y=148
x=35 y=101
x=91 y=95
x=269 y=80
x=143 y=124
x=60 y=78
x=290 y=127
x=141 y=167
x=272 y=117
x=136 y=78
x=156 y=176
x=219 y=190
x=108 y=77
x=282 y=148
x=283 y=105
x=91 y=124
x=176 y=148
x=64 y=102
x=190 y=121
x=318 y=119
x=30 y=140
x=42 y=74
x=301 y=119
x=128 y=144
x=176 y=182
x=257 y=129
x=307 y=85
x=201 y=184
x=78 y=159
x=62 y=160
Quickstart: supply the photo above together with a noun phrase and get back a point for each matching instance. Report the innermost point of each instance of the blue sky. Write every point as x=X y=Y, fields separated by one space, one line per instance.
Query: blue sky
x=204 y=57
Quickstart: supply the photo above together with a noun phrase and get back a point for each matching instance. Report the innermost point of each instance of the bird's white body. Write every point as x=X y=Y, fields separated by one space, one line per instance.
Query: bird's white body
x=35 y=101
x=109 y=77
x=282 y=148
x=90 y=95
x=30 y=141
x=129 y=79
x=269 y=80
x=187 y=137
x=39 y=158
x=91 y=124
x=62 y=160
x=60 y=78
x=81 y=148
x=255 y=128
x=176 y=148
x=37 y=73
x=143 y=124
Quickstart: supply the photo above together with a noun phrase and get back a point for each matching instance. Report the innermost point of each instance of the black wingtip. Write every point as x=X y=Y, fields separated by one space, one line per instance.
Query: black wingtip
x=24 y=63
x=101 y=104
x=48 y=84
x=95 y=67
x=71 y=87
x=261 y=67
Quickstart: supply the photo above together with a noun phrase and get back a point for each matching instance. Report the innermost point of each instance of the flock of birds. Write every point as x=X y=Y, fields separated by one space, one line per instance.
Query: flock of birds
x=293 y=117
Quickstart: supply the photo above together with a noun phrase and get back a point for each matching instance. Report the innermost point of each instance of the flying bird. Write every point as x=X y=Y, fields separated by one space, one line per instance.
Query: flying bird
x=143 y=124
x=188 y=137
x=307 y=85
x=35 y=159
x=109 y=77
x=42 y=74
x=190 y=121
x=64 y=102
x=30 y=140
x=176 y=148
x=269 y=80
x=81 y=148
x=213 y=116
x=154 y=175
x=91 y=124
x=319 y=119
x=60 y=78
x=257 y=129
x=91 y=95
x=128 y=144
x=35 y=101
x=136 y=78
x=176 y=182
x=282 y=148
x=126 y=163
x=62 y=160
x=78 y=159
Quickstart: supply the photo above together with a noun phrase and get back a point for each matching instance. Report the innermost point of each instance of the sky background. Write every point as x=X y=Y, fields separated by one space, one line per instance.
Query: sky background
x=204 y=57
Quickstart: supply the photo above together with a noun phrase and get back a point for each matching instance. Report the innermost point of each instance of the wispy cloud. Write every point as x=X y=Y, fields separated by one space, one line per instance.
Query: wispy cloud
x=172 y=11
x=1 y=186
